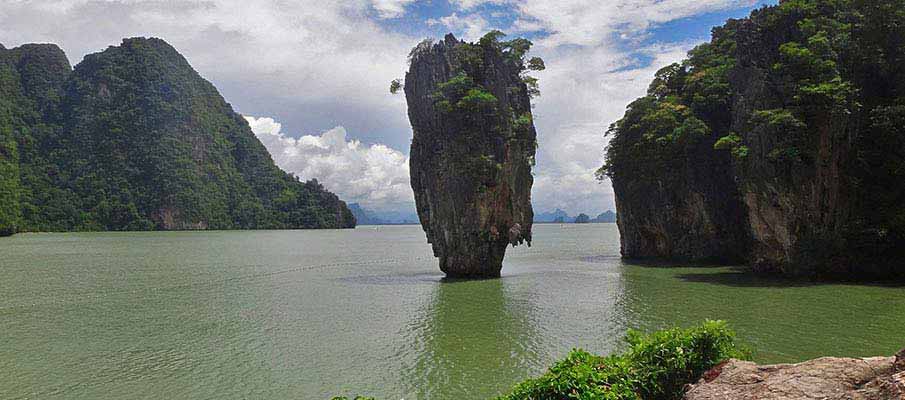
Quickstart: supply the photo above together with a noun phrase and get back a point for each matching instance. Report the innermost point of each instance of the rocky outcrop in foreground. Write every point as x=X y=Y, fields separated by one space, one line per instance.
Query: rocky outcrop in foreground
x=473 y=149
x=829 y=378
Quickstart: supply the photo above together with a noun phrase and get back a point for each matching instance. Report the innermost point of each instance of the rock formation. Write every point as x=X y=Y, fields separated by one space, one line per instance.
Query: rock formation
x=133 y=138
x=778 y=143
x=829 y=378
x=473 y=149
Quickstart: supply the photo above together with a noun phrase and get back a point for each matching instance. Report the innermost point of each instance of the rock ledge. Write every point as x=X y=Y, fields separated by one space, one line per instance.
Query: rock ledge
x=829 y=378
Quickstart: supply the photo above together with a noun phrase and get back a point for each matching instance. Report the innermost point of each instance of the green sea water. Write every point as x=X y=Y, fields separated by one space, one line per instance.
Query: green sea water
x=311 y=314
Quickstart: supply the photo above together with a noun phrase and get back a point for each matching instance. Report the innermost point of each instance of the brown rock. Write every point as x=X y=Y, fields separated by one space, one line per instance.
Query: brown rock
x=827 y=378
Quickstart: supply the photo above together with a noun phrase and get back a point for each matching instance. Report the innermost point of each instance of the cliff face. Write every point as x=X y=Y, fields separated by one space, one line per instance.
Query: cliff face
x=780 y=140
x=472 y=151
x=687 y=213
x=134 y=139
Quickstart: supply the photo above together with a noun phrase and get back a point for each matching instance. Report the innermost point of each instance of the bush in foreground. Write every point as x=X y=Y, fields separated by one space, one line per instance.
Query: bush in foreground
x=656 y=367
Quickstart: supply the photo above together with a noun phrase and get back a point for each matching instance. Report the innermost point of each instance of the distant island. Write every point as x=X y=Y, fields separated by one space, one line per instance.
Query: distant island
x=364 y=216
x=133 y=138
x=559 y=216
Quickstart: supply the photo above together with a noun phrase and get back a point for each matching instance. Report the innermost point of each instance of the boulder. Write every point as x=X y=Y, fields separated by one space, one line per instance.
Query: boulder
x=829 y=378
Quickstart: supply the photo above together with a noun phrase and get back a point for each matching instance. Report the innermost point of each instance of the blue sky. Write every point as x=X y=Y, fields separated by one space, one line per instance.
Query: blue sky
x=311 y=76
x=501 y=16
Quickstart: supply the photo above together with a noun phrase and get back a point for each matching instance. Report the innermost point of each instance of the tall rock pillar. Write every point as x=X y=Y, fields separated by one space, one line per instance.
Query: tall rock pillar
x=473 y=149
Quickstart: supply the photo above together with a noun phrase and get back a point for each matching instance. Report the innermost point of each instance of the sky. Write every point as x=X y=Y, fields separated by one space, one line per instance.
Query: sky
x=312 y=76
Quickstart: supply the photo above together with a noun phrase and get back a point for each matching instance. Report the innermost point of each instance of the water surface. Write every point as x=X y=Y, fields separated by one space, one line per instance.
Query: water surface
x=311 y=314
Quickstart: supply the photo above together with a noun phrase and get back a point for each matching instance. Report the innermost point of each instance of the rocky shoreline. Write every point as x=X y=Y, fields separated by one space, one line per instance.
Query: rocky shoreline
x=830 y=378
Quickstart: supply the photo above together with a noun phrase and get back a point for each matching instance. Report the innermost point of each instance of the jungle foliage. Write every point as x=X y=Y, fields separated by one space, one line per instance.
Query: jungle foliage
x=464 y=102
x=783 y=94
x=134 y=139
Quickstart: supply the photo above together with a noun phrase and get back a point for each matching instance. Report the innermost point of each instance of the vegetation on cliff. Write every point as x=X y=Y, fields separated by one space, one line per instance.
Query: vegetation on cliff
x=134 y=139
x=797 y=113
x=9 y=168
x=473 y=148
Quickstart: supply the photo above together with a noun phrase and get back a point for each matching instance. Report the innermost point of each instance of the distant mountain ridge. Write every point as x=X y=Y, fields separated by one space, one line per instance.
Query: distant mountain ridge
x=558 y=216
x=364 y=216
x=561 y=217
x=134 y=139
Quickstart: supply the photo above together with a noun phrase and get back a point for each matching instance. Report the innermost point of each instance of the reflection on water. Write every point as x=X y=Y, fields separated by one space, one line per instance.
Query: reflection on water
x=472 y=341
x=784 y=321
x=312 y=314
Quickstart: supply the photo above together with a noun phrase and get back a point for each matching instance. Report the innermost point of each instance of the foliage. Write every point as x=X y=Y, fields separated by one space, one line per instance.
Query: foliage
x=684 y=106
x=10 y=213
x=793 y=91
x=524 y=121
x=655 y=367
x=395 y=85
x=135 y=139
x=788 y=130
x=473 y=104
x=477 y=99
x=515 y=52
x=422 y=48
x=650 y=139
x=733 y=143
x=536 y=64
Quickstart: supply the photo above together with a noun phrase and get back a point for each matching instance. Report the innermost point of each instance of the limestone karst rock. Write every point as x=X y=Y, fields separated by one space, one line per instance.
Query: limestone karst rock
x=473 y=149
x=133 y=138
x=778 y=144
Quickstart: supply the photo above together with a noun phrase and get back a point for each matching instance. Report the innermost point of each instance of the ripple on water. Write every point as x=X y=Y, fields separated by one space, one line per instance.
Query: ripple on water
x=313 y=314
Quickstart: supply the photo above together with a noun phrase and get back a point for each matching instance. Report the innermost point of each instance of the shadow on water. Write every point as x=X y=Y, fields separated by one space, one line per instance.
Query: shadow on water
x=744 y=276
x=472 y=340
x=658 y=263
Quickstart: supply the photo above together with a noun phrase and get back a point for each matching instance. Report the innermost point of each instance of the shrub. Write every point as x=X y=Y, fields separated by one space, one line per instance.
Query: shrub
x=656 y=367
x=355 y=398
x=395 y=85
x=728 y=142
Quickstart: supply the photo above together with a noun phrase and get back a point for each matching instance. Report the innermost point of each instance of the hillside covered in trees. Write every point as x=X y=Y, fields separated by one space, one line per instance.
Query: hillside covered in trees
x=780 y=143
x=133 y=138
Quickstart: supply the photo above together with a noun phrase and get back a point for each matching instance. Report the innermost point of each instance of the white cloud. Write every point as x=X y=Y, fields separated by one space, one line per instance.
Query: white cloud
x=375 y=176
x=471 y=27
x=583 y=91
x=315 y=65
x=594 y=22
x=591 y=76
x=469 y=4
x=390 y=8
